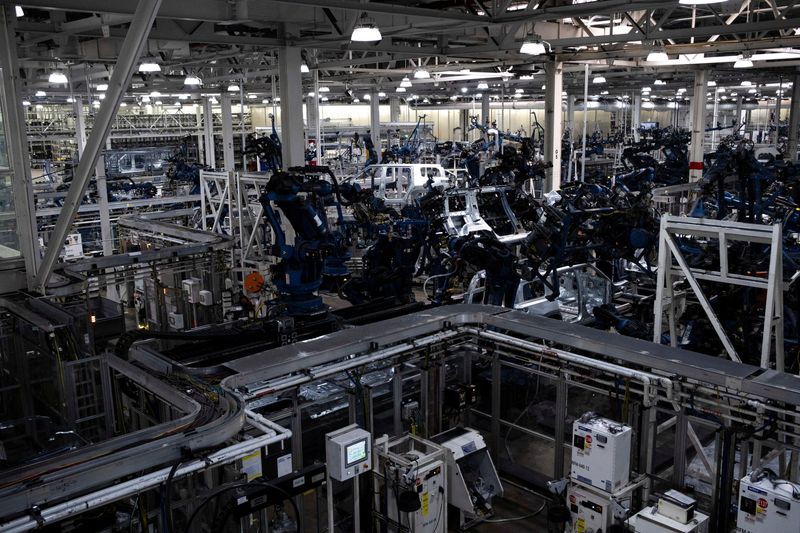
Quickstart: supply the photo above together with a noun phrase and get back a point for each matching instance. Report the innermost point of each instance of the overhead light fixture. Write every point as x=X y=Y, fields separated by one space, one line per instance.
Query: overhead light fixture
x=532 y=45
x=26 y=103
x=400 y=90
x=426 y=101
x=752 y=91
x=454 y=97
x=146 y=99
x=40 y=94
x=519 y=91
x=311 y=94
x=324 y=99
x=215 y=101
x=603 y=93
x=657 y=54
x=96 y=103
x=405 y=82
x=743 y=61
x=367 y=97
x=482 y=86
x=149 y=66
x=659 y=82
x=746 y=83
x=252 y=96
x=646 y=89
x=183 y=97
x=20 y=13
x=478 y=95
x=102 y=87
x=712 y=83
x=304 y=68
x=102 y=97
x=192 y=80
x=324 y=89
x=356 y=100
x=70 y=100
x=421 y=74
x=123 y=104
x=155 y=94
x=57 y=77
x=381 y=94
x=599 y=79
x=648 y=105
x=366 y=31
x=265 y=101
x=464 y=90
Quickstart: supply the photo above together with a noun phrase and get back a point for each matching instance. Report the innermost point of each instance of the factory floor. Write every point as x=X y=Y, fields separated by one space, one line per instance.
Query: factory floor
x=515 y=513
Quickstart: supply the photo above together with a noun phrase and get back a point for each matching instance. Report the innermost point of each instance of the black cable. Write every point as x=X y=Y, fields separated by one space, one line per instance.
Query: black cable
x=168 y=503
x=234 y=486
x=226 y=513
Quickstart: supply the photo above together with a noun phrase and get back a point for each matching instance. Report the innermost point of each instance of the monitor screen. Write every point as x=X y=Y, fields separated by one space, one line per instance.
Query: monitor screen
x=356 y=452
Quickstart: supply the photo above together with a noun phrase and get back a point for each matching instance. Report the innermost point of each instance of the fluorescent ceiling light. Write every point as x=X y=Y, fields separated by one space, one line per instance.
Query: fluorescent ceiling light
x=102 y=87
x=233 y=88
x=149 y=66
x=40 y=94
x=405 y=83
x=304 y=69
x=743 y=62
x=19 y=12
x=324 y=89
x=599 y=79
x=366 y=31
x=400 y=90
x=57 y=77
x=421 y=74
x=482 y=85
x=192 y=80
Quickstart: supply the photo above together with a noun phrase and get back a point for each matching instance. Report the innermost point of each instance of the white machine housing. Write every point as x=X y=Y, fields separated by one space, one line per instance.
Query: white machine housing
x=348 y=452
x=601 y=452
x=676 y=505
x=417 y=465
x=648 y=520
x=471 y=475
x=589 y=510
x=191 y=287
x=767 y=505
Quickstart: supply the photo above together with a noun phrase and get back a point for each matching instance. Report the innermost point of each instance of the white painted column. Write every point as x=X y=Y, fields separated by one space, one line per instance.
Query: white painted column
x=698 y=118
x=553 y=122
x=394 y=109
x=227 y=133
x=80 y=125
x=738 y=116
x=208 y=133
x=291 y=90
x=198 y=114
x=375 y=120
x=636 y=116
x=794 y=119
x=778 y=105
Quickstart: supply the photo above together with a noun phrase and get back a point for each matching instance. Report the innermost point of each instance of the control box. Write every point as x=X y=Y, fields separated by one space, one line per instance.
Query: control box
x=648 y=520
x=175 y=321
x=348 y=452
x=589 y=510
x=191 y=287
x=767 y=505
x=601 y=452
x=206 y=298
x=677 y=506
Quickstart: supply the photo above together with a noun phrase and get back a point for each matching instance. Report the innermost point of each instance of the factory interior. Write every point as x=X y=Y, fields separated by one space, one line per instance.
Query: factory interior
x=400 y=266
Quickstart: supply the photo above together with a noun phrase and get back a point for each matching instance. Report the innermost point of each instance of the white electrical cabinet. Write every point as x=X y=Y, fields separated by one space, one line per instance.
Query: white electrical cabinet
x=648 y=520
x=768 y=505
x=175 y=321
x=601 y=452
x=191 y=287
x=348 y=452
x=206 y=298
x=590 y=510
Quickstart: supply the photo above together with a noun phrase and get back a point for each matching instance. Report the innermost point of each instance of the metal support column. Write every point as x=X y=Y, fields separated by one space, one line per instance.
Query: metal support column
x=80 y=126
x=553 y=122
x=131 y=49
x=394 y=109
x=291 y=88
x=375 y=121
x=227 y=133
x=794 y=118
x=778 y=106
x=17 y=144
x=636 y=116
x=208 y=133
x=102 y=202
x=698 y=111
x=485 y=110
x=198 y=114
x=738 y=118
x=560 y=427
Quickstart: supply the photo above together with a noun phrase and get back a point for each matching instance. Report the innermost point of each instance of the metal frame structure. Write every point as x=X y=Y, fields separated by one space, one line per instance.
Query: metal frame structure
x=724 y=232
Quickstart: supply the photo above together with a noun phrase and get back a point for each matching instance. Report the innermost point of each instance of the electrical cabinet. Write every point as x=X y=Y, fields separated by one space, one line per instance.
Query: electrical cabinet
x=648 y=520
x=601 y=452
x=767 y=505
x=191 y=287
x=590 y=511
x=348 y=452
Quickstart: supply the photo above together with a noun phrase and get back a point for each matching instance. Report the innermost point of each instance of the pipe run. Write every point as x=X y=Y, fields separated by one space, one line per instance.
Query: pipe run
x=647 y=379
x=272 y=433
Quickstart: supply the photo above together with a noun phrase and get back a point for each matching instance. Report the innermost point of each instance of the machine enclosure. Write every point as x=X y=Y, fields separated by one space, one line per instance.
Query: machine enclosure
x=337 y=444
x=590 y=510
x=601 y=453
x=765 y=507
x=648 y=520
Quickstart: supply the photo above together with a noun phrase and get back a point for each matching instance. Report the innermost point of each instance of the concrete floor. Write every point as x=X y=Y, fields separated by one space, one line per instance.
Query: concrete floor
x=515 y=503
